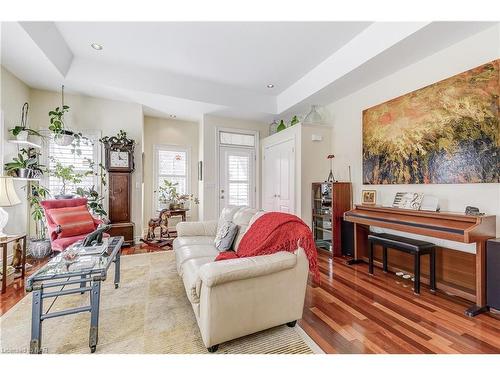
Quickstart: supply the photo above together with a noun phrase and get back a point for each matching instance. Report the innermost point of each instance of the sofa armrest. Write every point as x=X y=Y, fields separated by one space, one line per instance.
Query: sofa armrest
x=196 y=228
x=221 y=272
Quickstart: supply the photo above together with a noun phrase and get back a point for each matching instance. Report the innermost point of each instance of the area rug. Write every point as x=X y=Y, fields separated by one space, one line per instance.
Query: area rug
x=148 y=313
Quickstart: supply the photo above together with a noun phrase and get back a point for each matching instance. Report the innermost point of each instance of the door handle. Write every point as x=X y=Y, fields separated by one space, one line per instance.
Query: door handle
x=221 y=197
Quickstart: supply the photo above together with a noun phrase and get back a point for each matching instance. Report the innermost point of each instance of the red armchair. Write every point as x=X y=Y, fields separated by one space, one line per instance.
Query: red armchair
x=57 y=243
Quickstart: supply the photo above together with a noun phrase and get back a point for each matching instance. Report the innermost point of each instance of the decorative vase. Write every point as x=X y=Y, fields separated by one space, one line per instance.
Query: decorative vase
x=39 y=248
x=281 y=126
x=174 y=206
x=313 y=117
x=295 y=120
x=273 y=127
x=22 y=136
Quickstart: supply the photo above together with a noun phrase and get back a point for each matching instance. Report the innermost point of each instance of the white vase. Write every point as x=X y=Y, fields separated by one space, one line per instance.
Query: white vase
x=22 y=136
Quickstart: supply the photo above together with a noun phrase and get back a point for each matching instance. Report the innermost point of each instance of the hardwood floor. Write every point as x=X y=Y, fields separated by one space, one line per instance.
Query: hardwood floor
x=16 y=291
x=352 y=312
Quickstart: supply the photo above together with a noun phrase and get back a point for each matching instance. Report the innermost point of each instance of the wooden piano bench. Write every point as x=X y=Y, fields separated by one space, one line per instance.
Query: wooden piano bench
x=409 y=245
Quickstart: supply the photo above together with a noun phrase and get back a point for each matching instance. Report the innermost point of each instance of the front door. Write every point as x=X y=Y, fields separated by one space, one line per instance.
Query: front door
x=236 y=177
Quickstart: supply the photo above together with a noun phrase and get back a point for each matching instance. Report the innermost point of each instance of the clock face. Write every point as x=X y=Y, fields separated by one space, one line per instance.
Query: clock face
x=119 y=159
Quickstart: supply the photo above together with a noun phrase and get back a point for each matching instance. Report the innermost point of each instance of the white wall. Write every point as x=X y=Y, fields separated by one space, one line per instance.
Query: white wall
x=208 y=151
x=160 y=131
x=106 y=116
x=14 y=93
x=347 y=119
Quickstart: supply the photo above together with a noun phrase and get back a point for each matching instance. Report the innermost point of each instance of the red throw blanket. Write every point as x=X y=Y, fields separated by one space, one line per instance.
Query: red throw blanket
x=273 y=232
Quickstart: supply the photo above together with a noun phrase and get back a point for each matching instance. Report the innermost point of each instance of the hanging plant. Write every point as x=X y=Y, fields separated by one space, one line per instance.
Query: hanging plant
x=63 y=136
x=21 y=132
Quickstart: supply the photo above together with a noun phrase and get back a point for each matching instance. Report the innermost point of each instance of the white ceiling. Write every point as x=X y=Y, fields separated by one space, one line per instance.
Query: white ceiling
x=189 y=69
x=243 y=54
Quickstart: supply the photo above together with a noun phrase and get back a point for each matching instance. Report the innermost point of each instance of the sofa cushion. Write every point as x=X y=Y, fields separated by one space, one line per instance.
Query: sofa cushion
x=194 y=240
x=190 y=278
x=241 y=218
x=225 y=236
x=186 y=253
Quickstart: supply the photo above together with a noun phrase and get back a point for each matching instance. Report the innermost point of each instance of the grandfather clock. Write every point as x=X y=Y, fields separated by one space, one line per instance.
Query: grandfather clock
x=119 y=162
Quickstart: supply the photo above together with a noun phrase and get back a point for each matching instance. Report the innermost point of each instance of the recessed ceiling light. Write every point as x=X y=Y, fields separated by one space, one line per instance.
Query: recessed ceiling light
x=270 y=86
x=173 y=116
x=96 y=46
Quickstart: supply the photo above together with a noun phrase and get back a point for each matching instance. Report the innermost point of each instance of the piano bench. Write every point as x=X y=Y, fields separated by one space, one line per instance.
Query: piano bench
x=411 y=246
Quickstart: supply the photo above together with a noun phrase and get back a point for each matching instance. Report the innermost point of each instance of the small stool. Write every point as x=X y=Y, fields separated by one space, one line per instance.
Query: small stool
x=411 y=246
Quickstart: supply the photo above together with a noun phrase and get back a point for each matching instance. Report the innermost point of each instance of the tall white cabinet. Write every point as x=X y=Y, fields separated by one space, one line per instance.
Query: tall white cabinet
x=291 y=161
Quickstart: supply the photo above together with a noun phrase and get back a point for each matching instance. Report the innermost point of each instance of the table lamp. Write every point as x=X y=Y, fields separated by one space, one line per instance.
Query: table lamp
x=8 y=198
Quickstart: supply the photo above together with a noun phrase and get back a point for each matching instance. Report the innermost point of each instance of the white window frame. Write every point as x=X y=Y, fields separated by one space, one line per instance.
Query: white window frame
x=256 y=171
x=95 y=135
x=168 y=147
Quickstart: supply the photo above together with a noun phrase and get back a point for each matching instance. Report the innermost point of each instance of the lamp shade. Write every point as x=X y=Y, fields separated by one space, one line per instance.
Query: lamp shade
x=8 y=196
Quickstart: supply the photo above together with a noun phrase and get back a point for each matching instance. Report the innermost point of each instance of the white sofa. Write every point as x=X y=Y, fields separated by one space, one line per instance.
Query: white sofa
x=237 y=297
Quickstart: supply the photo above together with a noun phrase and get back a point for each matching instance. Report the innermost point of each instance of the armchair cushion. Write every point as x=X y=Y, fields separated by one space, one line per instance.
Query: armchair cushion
x=73 y=221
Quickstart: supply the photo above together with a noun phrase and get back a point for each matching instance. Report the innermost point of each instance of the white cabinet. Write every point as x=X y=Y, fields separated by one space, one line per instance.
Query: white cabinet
x=292 y=161
x=279 y=170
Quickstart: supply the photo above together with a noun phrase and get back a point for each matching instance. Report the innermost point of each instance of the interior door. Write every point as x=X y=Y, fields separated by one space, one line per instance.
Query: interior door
x=286 y=186
x=236 y=177
x=279 y=177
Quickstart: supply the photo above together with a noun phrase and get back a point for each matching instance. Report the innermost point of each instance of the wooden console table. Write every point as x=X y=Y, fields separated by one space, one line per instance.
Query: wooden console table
x=444 y=225
x=4 y=244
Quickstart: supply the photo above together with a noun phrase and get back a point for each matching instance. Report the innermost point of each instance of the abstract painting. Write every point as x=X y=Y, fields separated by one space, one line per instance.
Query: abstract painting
x=445 y=133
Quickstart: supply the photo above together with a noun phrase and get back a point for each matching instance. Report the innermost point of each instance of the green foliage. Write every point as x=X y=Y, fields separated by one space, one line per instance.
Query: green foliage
x=94 y=201
x=16 y=130
x=37 y=194
x=168 y=192
x=67 y=175
x=56 y=119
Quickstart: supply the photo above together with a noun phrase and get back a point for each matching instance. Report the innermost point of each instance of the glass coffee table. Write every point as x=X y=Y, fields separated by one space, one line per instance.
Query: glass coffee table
x=75 y=270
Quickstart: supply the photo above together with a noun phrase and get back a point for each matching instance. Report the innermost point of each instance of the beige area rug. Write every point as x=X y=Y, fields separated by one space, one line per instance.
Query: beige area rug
x=149 y=313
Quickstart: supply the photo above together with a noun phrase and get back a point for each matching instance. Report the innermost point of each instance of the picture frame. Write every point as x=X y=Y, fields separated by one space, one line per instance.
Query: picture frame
x=369 y=197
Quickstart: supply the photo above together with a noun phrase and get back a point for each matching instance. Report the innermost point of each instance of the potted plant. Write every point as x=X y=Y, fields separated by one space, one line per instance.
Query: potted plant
x=24 y=166
x=168 y=195
x=39 y=246
x=63 y=136
x=67 y=175
x=21 y=132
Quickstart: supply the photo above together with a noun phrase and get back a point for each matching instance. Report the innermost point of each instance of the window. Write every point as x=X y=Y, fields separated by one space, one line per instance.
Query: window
x=53 y=153
x=236 y=139
x=239 y=180
x=171 y=164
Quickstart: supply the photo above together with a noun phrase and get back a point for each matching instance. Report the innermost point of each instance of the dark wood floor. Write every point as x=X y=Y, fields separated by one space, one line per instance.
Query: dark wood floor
x=16 y=292
x=352 y=312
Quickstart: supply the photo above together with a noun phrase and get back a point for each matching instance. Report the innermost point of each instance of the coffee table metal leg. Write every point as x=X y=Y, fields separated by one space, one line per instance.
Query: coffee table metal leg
x=36 y=322
x=117 y=268
x=94 y=314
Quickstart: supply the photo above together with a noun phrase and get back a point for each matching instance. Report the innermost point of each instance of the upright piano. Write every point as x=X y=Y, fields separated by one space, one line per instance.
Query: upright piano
x=444 y=225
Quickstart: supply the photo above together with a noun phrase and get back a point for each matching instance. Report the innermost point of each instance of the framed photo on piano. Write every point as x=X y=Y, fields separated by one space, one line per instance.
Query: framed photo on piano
x=369 y=197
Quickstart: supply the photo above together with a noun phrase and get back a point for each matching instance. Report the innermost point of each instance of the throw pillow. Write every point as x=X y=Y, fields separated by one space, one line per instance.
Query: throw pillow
x=73 y=221
x=225 y=236
x=226 y=214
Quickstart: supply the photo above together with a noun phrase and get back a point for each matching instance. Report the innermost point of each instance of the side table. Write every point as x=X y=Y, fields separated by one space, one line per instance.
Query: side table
x=4 y=244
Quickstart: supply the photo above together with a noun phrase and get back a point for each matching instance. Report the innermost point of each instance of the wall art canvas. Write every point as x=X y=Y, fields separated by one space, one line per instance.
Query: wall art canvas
x=444 y=133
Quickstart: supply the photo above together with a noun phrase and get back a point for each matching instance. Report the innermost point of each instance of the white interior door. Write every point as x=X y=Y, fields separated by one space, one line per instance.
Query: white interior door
x=279 y=177
x=236 y=177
